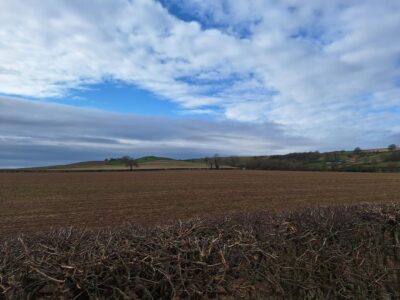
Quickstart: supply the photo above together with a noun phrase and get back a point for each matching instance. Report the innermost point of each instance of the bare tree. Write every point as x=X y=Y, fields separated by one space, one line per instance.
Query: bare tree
x=209 y=162
x=392 y=147
x=216 y=161
x=234 y=161
x=130 y=162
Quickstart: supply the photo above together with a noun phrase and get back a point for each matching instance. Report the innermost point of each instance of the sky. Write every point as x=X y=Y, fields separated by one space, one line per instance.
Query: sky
x=86 y=80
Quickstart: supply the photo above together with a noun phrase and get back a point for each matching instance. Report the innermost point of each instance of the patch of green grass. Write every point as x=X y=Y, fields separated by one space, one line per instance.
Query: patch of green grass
x=145 y=159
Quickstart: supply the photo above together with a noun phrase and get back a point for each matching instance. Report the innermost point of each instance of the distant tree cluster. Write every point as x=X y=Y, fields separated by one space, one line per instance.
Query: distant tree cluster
x=113 y=159
x=315 y=161
x=298 y=156
x=357 y=150
x=261 y=163
x=129 y=161
x=334 y=156
x=393 y=156
x=213 y=162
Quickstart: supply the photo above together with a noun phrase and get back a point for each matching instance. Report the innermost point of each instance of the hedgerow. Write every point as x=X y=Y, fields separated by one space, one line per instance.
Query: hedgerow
x=320 y=253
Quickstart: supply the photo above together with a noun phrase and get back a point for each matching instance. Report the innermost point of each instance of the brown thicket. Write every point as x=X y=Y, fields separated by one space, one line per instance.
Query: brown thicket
x=322 y=253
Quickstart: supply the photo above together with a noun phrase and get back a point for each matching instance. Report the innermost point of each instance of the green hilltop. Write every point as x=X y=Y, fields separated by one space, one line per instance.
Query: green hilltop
x=145 y=159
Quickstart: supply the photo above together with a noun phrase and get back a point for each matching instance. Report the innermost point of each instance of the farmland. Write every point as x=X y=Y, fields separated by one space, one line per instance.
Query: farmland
x=254 y=235
x=37 y=201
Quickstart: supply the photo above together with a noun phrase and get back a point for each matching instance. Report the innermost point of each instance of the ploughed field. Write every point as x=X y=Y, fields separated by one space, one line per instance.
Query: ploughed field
x=37 y=201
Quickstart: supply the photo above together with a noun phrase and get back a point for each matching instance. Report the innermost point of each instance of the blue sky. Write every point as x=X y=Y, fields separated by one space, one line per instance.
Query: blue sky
x=233 y=77
x=119 y=97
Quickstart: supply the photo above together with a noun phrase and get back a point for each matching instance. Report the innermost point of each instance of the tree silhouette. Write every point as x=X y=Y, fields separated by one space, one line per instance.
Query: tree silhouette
x=216 y=161
x=130 y=162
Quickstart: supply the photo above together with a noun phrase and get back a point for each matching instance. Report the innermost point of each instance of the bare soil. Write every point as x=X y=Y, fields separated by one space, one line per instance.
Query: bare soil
x=37 y=201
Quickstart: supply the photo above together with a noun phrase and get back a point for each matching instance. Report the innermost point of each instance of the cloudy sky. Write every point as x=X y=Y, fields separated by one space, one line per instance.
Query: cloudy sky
x=82 y=80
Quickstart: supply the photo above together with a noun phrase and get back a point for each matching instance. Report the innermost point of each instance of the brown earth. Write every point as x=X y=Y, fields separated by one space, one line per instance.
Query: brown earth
x=37 y=201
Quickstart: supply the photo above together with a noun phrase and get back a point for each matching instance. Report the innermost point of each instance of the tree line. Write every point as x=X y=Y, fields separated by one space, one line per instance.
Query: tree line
x=357 y=160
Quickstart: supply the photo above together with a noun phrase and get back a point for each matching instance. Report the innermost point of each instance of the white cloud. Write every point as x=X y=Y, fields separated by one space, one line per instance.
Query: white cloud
x=326 y=69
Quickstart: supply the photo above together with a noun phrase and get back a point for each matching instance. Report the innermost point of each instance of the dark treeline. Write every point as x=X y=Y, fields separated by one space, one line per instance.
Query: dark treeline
x=298 y=156
x=117 y=159
x=393 y=156
x=347 y=161
x=259 y=163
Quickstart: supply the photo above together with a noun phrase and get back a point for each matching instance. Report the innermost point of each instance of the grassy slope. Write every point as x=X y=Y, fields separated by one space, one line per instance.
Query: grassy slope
x=147 y=162
x=367 y=160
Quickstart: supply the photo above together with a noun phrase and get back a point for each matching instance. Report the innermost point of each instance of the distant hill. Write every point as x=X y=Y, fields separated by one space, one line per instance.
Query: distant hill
x=358 y=160
x=146 y=162
x=145 y=159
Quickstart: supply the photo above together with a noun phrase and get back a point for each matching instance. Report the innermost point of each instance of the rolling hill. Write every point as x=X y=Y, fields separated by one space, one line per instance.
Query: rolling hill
x=146 y=162
x=368 y=160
